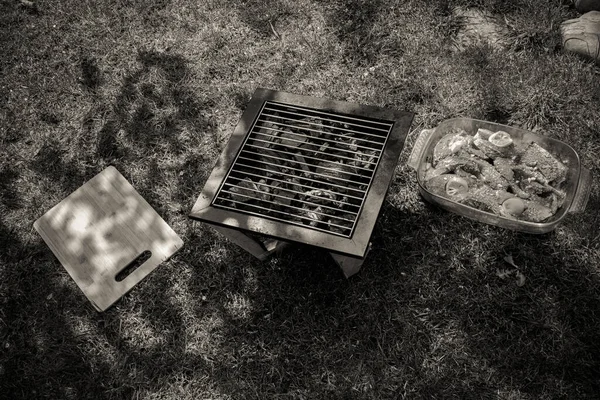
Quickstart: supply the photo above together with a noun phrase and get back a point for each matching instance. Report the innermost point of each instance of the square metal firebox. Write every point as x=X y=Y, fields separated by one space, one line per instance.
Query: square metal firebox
x=306 y=170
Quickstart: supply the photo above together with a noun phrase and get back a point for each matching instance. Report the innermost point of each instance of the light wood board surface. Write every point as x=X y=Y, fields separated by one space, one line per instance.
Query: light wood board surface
x=99 y=230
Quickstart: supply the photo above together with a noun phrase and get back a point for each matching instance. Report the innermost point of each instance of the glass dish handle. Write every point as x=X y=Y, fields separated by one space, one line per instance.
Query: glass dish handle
x=417 y=150
x=583 y=191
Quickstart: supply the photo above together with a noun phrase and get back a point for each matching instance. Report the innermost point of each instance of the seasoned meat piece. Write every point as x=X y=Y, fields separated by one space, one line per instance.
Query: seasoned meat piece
x=552 y=169
x=451 y=163
x=492 y=198
x=483 y=134
x=448 y=145
x=524 y=172
x=528 y=180
x=471 y=178
x=557 y=200
x=549 y=200
x=533 y=187
x=491 y=177
x=431 y=172
x=437 y=185
x=472 y=152
x=516 y=189
x=505 y=166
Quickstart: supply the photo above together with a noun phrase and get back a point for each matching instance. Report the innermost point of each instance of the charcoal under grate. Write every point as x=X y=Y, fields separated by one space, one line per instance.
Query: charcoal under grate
x=305 y=169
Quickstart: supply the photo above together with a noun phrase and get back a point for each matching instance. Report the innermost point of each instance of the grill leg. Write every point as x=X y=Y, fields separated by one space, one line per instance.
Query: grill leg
x=349 y=265
x=252 y=246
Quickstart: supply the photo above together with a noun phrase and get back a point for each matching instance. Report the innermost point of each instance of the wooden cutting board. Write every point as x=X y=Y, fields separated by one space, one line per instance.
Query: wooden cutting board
x=99 y=232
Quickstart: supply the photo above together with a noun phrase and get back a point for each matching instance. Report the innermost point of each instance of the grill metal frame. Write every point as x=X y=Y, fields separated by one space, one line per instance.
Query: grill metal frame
x=247 y=151
x=356 y=243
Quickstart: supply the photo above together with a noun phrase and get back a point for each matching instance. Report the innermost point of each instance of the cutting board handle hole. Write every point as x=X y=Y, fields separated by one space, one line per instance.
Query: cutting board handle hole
x=132 y=266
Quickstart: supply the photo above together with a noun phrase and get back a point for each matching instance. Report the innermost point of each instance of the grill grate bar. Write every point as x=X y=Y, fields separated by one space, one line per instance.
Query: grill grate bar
x=341 y=203
x=288 y=206
x=314 y=130
x=296 y=147
x=329 y=128
x=287 y=221
x=310 y=157
x=305 y=167
x=300 y=184
x=297 y=216
x=290 y=106
x=299 y=170
x=300 y=162
x=300 y=177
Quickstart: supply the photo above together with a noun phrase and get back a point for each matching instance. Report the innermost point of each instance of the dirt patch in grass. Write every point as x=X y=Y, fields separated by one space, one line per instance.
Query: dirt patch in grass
x=478 y=28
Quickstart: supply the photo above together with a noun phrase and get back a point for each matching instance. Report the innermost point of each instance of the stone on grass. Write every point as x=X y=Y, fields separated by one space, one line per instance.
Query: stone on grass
x=479 y=28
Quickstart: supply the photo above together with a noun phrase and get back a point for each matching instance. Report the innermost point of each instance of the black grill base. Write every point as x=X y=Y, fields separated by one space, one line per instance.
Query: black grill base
x=334 y=204
x=262 y=249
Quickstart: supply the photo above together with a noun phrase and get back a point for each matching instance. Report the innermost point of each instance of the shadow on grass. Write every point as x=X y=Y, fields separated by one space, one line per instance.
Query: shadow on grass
x=549 y=326
x=41 y=356
x=482 y=63
x=9 y=197
x=54 y=344
x=294 y=326
x=51 y=345
x=65 y=175
x=154 y=110
x=355 y=24
x=261 y=15
x=91 y=75
x=493 y=330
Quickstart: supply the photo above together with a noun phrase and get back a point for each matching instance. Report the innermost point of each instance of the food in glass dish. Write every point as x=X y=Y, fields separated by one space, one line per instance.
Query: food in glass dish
x=494 y=172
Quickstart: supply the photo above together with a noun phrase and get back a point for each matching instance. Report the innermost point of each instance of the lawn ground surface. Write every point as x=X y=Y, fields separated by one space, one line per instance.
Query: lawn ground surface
x=155 y=88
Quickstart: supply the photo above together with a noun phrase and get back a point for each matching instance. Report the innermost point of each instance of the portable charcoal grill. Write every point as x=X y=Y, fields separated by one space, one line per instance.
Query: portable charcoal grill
x=304 y=169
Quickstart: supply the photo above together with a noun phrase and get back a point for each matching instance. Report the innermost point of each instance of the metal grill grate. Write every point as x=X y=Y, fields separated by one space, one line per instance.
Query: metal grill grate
x=305 y=167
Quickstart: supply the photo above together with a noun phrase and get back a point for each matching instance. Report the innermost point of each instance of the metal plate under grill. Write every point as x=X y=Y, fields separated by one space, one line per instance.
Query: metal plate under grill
x=305 y=169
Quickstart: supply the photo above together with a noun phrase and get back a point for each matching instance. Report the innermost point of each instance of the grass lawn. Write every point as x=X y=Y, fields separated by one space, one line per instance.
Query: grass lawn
x=155 y=88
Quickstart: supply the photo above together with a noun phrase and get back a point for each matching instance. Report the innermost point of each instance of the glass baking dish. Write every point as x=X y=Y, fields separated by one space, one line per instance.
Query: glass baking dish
x=577 y=184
